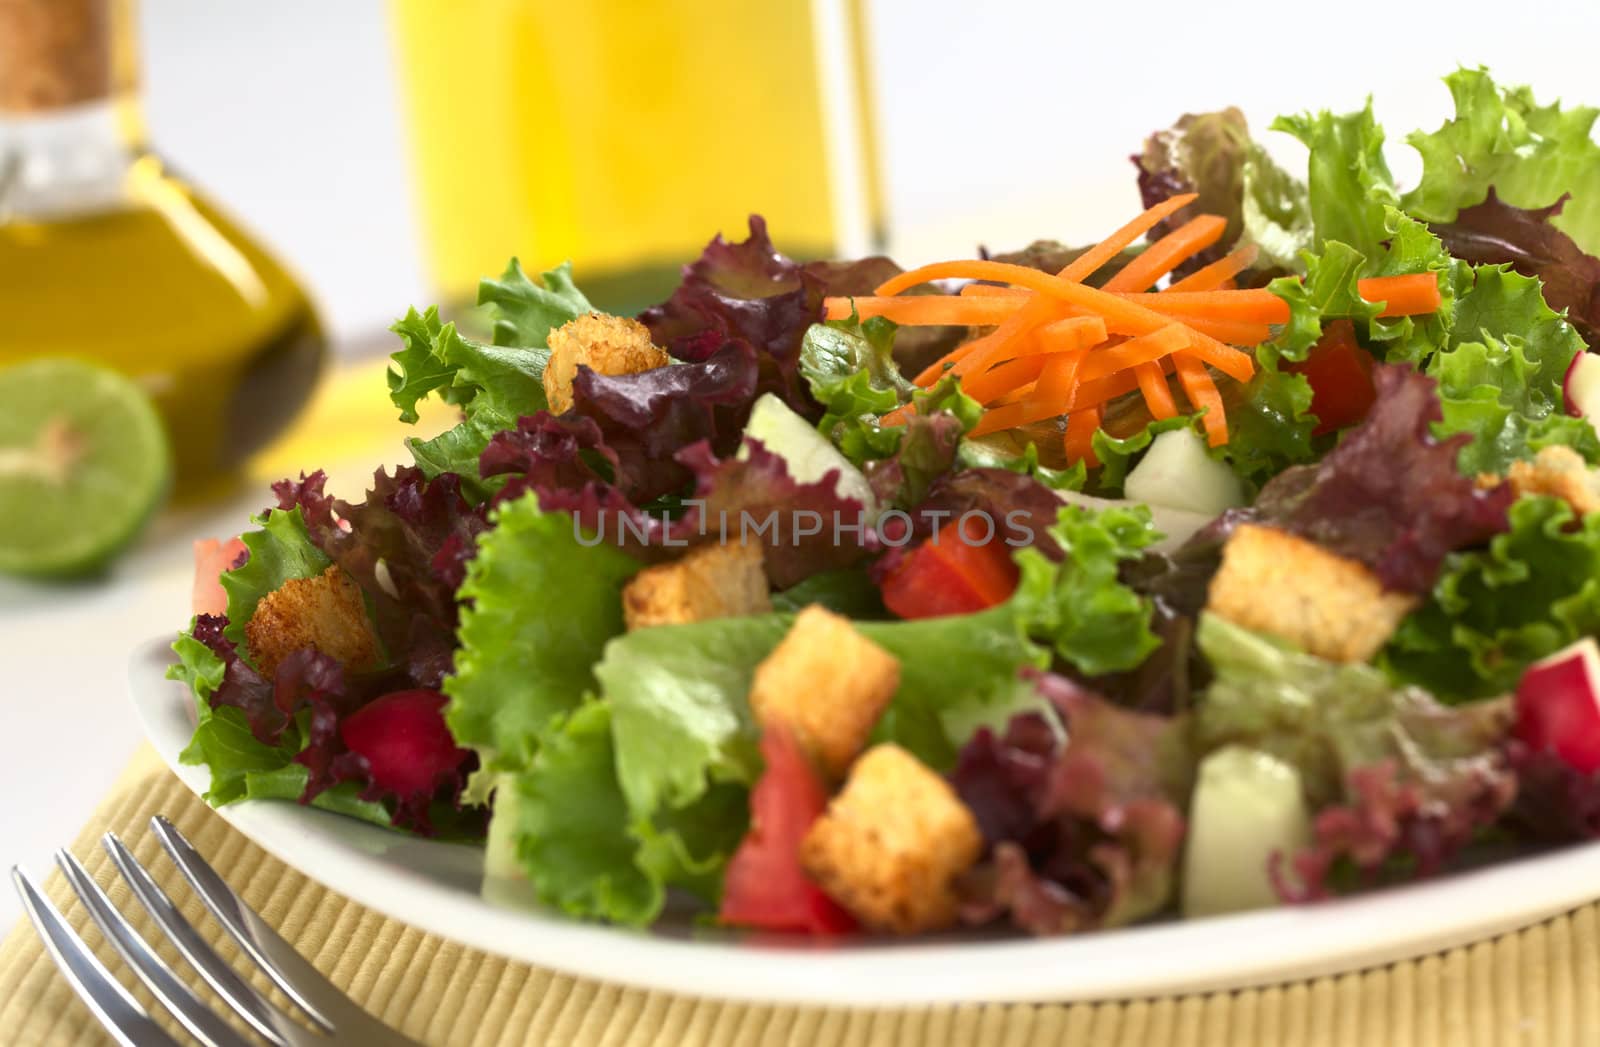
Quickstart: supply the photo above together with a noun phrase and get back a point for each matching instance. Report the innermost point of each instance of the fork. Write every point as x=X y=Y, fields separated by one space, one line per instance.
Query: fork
x=326 y=1014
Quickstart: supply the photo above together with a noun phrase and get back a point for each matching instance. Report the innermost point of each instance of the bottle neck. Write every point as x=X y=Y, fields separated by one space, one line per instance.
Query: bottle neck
x=69 y=124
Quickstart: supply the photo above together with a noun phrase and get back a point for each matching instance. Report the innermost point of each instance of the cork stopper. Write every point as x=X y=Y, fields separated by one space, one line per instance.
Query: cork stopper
x=54 y=53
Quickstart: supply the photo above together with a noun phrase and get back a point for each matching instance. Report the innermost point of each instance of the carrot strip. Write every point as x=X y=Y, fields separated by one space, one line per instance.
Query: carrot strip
x=1408 y=295
x=1010 y=416
x=1233 y=332
x=925 y=310
x=1058 y=379
x=1219 y=272
x=1079 y=442
x=1084 y=266
x=1094 y=393
x=1128 y=310
x=899 y=416
x=1257 y=305
x=1075 y=332
x=1136 y=351
x=1202 y=393
x=992 y=291
x=1167 y=253
x=1153 y=386
x=997 y=381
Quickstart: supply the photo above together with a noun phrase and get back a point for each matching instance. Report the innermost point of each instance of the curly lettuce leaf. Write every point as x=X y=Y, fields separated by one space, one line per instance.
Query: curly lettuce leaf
x=1495 y=611
x=1348 y=182
x=1080 y=606
x=1116 y=454
x=1500 y=377
x=523 y=659
x=1529 y=154
x=493 y=384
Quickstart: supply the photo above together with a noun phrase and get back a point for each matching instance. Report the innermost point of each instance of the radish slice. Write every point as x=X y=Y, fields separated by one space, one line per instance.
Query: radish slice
x=1558 y=705
x=1581 y=387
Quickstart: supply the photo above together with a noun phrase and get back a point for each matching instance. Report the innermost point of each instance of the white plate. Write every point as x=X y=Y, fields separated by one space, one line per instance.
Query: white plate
x=437 y=887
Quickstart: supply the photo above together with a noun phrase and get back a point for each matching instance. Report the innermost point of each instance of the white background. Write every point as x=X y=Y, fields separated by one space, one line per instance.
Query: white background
x=1003 y=121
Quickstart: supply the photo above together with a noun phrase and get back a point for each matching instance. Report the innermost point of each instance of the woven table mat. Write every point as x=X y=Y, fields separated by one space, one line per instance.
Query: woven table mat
x=1539 y=986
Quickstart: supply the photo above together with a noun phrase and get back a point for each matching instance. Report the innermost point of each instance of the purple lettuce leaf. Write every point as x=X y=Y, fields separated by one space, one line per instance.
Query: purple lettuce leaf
x=1393 y=826
x=1022 y=509
x=1555 y=803
x=750 y=497
x=406 y=545
x=1390 y=495
x=1495 y=232
x=1082 y=831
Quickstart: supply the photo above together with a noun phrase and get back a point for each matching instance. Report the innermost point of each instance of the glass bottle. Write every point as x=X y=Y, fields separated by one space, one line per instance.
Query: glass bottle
x=106 y=254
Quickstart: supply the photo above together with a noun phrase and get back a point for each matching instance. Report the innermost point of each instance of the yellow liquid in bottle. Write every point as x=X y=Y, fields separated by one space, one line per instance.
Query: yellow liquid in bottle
x=620 y=134
x=165 y=289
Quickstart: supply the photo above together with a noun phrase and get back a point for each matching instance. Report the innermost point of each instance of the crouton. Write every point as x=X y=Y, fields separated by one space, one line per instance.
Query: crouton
x=325 y=612
x=828 y=684
x=892 y=843
x=1560 y=472
x=1276 y=583
x=712 y=581
x=606 y=344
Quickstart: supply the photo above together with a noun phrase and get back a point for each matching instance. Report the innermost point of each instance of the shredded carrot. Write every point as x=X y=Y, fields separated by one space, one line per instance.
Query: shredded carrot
x=1167 y=253
x=899 y=416
x=1202 y=393
x=992 y=291
x=1233 y=332
x=1256 y=305
x=936 y=370
x=1079 y=442
x=1213 y=276
x=1057 y=380
x=1408 y=295
x=924 y=310
x=997 y=381
x=1085 y=265
x=1075 y=332
x=1153 y=386
x=1136 y=351
x=1096 y=392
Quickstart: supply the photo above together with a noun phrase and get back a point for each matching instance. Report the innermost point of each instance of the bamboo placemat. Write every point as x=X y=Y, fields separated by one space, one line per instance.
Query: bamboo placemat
x=1537 y=986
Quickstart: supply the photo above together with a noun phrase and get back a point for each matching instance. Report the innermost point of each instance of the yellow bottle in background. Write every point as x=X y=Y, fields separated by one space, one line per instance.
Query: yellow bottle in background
x=106 y=255
x=623 y=134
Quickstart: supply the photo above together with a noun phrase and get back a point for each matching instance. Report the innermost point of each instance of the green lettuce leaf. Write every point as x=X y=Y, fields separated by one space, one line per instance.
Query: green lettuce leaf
x=493 y=384
x=1495 y=611
x=1001 y=451
x=1080 y=607
x=1500 y=376
x=539 y=606
x=1348 y=181
x=1271 y=429
x=1530 y=154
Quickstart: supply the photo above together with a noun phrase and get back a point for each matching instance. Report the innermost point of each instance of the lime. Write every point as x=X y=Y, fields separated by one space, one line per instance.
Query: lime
x=84 y=462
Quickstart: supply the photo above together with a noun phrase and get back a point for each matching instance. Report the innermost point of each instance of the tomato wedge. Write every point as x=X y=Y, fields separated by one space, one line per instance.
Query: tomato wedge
x=958 y=571
x=1340 y=373
x=764 y=886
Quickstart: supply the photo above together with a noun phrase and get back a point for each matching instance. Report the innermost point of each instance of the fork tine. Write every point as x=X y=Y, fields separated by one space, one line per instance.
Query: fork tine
x=289 y=971
x=112 y=1004
x=263 y=1016
x=174 y=995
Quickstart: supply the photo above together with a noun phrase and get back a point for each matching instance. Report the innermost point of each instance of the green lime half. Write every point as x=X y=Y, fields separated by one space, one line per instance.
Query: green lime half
x=84 y=462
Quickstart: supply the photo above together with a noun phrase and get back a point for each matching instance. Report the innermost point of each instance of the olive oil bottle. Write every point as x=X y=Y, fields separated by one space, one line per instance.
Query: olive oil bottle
x=106 y=255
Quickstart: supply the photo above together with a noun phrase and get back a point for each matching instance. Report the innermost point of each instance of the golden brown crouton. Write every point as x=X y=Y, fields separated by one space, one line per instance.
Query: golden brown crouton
x=1560 y=472
x=828 y=684
x=1276 y=583
x=325 y=612
x=891 y=844
x=712 y=581
x=606 y=344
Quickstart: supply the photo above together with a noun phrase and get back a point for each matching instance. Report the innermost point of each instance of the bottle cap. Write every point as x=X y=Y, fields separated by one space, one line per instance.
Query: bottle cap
x=54 y=53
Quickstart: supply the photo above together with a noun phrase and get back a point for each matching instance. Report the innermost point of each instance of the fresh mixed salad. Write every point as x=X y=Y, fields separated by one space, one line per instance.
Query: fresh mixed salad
x=1250 y=555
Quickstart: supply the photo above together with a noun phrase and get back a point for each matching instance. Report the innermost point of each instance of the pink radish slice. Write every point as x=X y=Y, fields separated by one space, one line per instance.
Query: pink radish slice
x=1581 y=387
x=1558 y=705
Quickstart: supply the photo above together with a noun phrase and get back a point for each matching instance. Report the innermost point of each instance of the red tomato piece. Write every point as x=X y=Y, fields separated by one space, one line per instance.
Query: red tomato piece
x=959 y=570
x=1340 y=373
x=764 y=886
